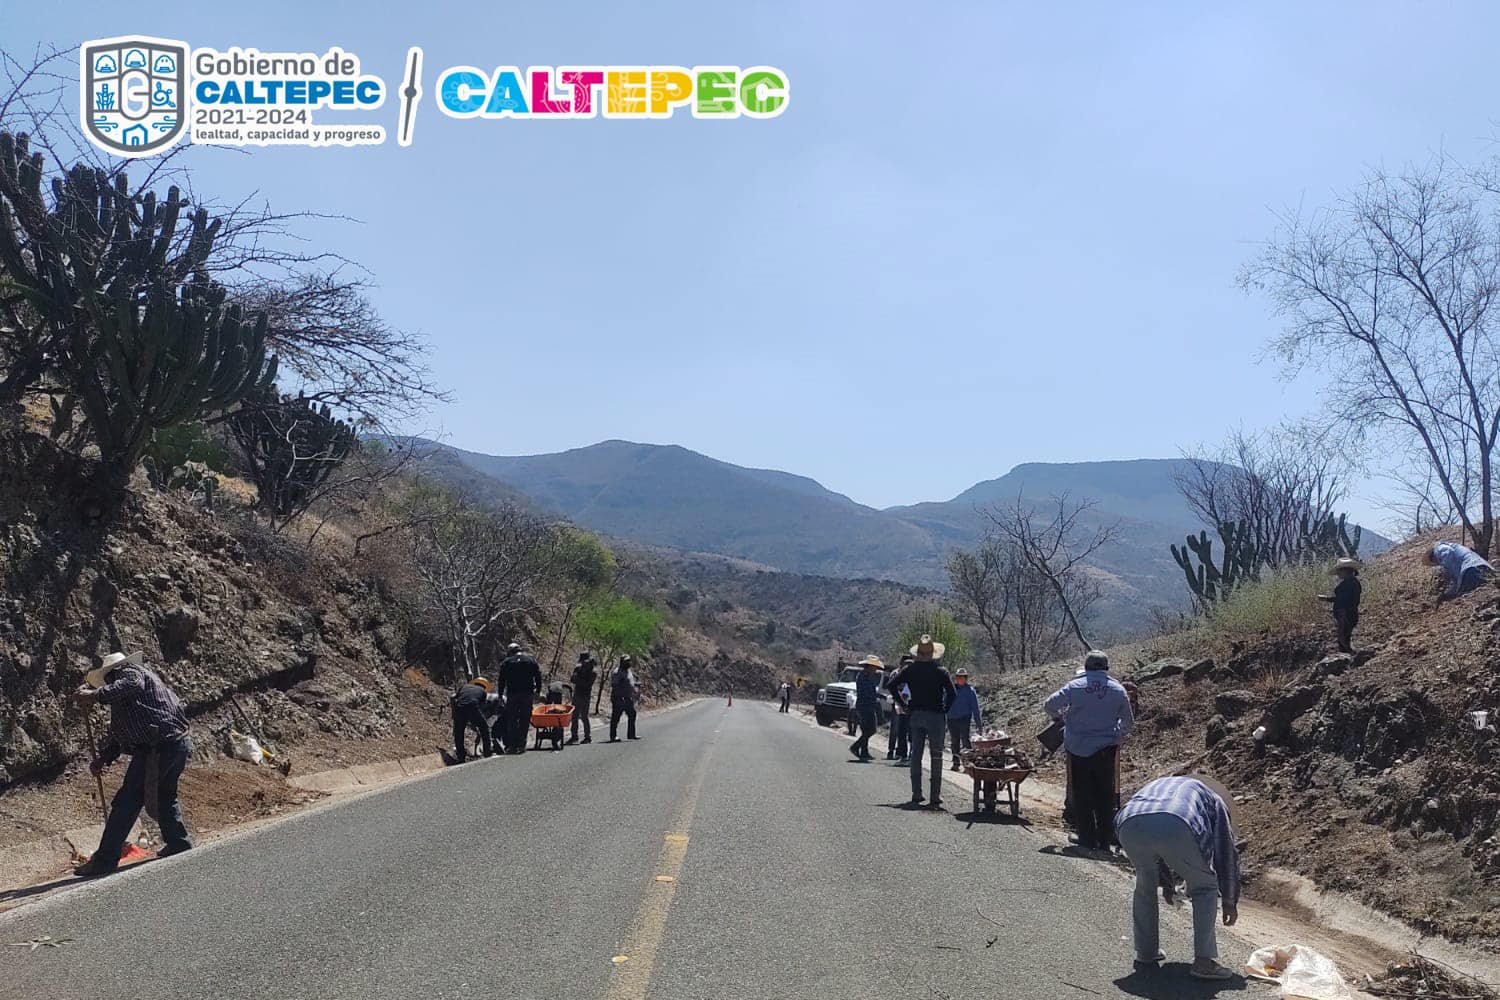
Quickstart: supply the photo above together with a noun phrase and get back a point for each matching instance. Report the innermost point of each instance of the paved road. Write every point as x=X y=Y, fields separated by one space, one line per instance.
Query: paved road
x=734 y=852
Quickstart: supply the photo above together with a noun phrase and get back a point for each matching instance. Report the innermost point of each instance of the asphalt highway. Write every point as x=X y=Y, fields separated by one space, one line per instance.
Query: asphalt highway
x=732 y=853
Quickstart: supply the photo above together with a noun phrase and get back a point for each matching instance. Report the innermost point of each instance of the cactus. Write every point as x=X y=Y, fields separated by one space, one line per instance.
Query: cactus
x=291 y=447
x=1241 y=562
x=141 y=338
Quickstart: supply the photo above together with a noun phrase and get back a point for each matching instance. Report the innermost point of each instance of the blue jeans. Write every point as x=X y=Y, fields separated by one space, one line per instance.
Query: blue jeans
x=927 y=730
x=1149 y=838
x=171 y=758
x=900 y=730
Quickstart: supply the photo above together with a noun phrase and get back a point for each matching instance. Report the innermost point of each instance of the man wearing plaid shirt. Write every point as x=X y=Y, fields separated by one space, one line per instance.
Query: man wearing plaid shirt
x=146 y=721
x=1183 y=824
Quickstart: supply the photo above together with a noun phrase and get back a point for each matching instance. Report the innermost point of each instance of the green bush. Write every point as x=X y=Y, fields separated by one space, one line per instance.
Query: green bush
x=940 y=625
x=1282 y=604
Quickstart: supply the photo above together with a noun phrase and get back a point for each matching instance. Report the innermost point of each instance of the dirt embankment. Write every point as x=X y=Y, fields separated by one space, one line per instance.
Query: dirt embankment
x=304 y=644
x=1371 y=776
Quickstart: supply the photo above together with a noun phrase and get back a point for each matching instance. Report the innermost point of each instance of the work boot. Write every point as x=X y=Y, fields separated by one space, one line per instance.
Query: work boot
x=587 y=739
x=572 y=739
x=171 y=849
x=95 y=867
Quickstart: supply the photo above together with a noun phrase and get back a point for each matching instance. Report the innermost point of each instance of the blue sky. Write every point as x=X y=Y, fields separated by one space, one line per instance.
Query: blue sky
x=981 y=234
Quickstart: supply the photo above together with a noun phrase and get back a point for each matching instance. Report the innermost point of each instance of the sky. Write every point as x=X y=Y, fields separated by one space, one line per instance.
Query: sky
x=980 y=234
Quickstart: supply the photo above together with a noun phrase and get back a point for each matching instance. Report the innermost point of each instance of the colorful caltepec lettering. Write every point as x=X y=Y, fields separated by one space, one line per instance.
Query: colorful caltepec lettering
x=613 y=92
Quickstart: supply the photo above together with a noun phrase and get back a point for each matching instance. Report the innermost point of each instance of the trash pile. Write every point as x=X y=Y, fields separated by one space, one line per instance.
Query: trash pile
x=1424 y=978
x=1302 y=973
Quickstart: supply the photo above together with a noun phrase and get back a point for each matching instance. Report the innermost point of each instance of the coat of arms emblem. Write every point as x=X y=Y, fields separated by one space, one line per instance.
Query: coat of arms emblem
x=134 y=93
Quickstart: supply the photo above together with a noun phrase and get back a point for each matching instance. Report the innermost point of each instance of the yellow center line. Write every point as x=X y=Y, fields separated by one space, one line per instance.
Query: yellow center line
x=637 y=956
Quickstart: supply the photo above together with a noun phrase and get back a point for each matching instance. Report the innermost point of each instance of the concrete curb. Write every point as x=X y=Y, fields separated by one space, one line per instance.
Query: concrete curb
x=360 y=776
x=23 y=864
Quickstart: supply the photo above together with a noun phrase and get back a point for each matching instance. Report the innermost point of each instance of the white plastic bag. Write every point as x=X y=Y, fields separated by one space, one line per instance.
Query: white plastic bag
x=1304 y=974
x=245 y=747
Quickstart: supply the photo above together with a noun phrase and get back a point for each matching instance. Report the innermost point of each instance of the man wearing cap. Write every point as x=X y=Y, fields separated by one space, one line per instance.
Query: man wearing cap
x=583 y=678
x=931 y=695
x=521 y=682
x=1185 y=825
x=622 y=695
x=963 y=713
x=146 y=721
x=1345 y=601
x=468 y=710
x=1096 y=716
x=867 y=704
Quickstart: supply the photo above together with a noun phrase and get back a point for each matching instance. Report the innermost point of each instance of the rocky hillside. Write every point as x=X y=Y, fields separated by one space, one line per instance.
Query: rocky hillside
x=665 y=495
x=1371 y=776
x=304 y=643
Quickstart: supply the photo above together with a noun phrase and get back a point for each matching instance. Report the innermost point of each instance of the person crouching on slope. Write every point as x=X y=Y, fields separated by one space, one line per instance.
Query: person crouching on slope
x=1096 y=715
x=1183 y=824
x=1464 y=570
x=963 y=713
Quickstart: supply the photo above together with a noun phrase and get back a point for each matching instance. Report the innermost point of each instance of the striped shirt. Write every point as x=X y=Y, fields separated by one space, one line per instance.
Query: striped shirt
x=143 y=711
x=1193 y=802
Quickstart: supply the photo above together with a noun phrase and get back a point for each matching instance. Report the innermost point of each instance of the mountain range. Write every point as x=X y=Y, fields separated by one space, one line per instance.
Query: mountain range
x=666 y=495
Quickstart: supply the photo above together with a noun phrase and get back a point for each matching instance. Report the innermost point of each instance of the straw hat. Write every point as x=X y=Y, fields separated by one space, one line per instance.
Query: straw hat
x=926 y=649
x=1343 y=564
x=872 y=661
x=95 y=678
x=962 y=672
x=485 y=683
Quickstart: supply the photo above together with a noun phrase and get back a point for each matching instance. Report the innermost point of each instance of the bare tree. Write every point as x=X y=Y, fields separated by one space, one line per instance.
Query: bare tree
x=1274 y=484
x=1056 y=543
x=1015 y=605
x=1391 y=292
x=481 y=569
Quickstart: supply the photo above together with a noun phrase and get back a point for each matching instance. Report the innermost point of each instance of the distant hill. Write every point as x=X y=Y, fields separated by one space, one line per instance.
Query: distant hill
x=669 y=496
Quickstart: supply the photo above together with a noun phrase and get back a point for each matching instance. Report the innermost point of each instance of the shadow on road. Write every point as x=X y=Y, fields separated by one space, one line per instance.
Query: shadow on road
x=988 y=818
x=1172 y=982
x=10 y=895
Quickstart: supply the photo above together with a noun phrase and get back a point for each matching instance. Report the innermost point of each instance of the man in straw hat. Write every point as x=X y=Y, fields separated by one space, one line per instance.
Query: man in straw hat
x=931 y=693
x=1096 y=716
x=146 y=721
x=962 y=714
x=1345 y=601
x=1186 y=825
x=468 y=710
x=867 y=704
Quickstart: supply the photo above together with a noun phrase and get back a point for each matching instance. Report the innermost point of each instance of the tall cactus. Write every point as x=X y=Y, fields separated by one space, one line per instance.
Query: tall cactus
x=137 y=334
x=1241 y=562
x=291 y=446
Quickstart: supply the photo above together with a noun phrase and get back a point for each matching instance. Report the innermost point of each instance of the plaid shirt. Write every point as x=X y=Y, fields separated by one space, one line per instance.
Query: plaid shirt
x=143 y=712
x=1193 y=802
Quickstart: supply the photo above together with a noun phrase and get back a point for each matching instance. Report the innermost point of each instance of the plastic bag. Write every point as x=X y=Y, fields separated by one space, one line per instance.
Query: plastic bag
x=245 y=747
x=1303 y=973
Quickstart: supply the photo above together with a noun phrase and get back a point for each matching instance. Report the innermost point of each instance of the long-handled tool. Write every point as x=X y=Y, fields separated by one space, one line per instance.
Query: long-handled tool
x=88 y=724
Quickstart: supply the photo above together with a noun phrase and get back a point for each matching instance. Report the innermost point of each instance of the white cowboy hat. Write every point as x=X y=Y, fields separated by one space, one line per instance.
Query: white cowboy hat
x=1345 y=563
x=95 y=678
x=872 y=661
x=926 y=649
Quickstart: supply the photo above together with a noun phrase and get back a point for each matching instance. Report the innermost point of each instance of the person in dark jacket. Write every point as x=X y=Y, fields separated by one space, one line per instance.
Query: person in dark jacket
x=583 y=679
x=1345 y=601
x=146 y=721
x=931 y=695
x=897 y=749
x=622 y=696
x=521 y=682
x=867 y=705
x=468 y=710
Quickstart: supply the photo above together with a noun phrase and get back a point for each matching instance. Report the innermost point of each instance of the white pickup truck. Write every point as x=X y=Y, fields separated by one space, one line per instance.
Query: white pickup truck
x=836 y=699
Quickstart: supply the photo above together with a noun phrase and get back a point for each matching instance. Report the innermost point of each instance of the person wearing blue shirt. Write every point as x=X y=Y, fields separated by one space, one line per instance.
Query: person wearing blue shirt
x=963 y=713
x=1095 y=712
x=867 y=704
x=1184 y=825
x=1463 y=569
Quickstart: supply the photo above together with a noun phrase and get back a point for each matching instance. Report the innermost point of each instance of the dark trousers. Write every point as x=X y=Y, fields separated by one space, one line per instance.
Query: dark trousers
x=868 y=723
x=171 y=758
x=465 y=716
x=617 y=709
x=900 y=733
x=1094 y=797
x=1345 y=621
x=786 y=702
x=517 y=719
x=581 y=714
x=958 y=736
x=1473 y=578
